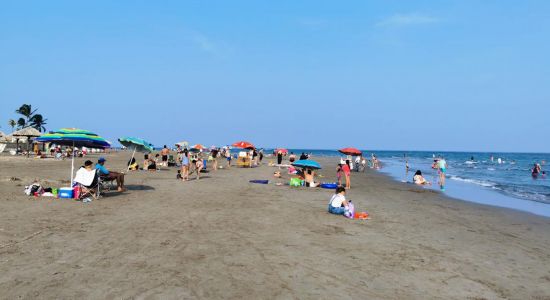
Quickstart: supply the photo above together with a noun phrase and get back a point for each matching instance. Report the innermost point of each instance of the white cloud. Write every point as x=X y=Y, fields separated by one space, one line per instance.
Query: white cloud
x=399 y=20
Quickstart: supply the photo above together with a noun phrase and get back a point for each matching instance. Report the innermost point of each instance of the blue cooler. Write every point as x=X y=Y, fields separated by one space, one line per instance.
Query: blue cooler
x=65 y=192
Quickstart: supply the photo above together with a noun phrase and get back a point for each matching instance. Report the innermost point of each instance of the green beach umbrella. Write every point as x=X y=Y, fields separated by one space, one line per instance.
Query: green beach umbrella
x=136 y=144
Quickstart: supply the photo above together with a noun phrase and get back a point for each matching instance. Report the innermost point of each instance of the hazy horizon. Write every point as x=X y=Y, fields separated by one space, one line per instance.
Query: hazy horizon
x=455 y=75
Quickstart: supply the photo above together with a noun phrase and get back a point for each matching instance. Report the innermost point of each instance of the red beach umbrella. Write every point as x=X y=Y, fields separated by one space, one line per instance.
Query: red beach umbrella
x=351 y=151
x=244 y=145
x=282 y=150
x=198 y=146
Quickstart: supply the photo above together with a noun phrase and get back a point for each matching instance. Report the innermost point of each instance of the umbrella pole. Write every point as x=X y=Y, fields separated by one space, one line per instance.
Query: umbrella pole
x=72 y=166
x=134 y=153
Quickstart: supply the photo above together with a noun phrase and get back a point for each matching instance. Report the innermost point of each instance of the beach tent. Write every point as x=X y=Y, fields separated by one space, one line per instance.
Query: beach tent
x=136 y=144
x=351 y=151
x=76 y=138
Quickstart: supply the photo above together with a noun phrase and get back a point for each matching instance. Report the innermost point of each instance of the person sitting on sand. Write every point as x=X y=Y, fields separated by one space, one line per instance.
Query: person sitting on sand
x=338 y=204
x=309 y=177
x=110 y=175
x=419 y=179
x=132 y=164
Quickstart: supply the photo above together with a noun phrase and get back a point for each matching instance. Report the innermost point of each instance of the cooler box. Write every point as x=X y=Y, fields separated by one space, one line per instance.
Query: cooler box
x=65 y=192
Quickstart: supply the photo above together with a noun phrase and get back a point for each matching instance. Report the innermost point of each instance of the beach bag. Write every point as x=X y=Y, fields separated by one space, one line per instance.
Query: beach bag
x=33 y=188
x=350 y=213
x=295 y=182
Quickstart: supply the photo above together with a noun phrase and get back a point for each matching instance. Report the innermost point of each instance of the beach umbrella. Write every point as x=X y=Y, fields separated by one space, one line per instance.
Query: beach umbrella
x=198 y=146
x=76 y=138
x=183 y=144
x=136 y=144
x=243 y=144
x=350 y=151
x=307 y=163
x=282 y=150
x=194 y=150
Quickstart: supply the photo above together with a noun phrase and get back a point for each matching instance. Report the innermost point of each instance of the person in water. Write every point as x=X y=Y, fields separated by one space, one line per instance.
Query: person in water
x=442 y=166
x=419 y=179
x=536 y=170
x=338 y=203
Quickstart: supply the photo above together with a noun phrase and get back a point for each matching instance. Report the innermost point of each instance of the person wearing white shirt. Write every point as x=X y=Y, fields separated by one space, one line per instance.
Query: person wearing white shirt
x=338 y=204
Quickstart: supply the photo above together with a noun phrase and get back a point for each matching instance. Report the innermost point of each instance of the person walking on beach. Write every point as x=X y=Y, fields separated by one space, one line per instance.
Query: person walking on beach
x=442 y=166
x=164 y=152
x=185 y=165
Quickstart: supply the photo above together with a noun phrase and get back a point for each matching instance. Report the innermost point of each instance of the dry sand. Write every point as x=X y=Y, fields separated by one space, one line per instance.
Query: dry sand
x=222 y=237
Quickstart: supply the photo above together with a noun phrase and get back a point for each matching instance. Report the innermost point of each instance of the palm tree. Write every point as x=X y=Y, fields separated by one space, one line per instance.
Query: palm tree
x=12 y=123
x=27 y=112
x=38 y=122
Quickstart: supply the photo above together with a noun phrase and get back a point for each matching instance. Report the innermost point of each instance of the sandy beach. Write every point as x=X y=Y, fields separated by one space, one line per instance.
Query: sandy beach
x=222 y=237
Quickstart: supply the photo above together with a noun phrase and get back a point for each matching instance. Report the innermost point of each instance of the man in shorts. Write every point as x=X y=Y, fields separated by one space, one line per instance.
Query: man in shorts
x=164 y=152
x=110 y=175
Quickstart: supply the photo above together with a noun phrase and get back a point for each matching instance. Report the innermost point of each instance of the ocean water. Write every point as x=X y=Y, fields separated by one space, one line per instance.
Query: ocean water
x=504 y=181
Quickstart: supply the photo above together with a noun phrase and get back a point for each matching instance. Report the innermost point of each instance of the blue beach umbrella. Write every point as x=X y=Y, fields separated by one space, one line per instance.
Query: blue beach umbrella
x=76 y=138
x=136 y=144
x=307 y=163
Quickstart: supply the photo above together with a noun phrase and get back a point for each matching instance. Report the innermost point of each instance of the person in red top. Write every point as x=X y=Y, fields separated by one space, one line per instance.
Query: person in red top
x=347 y=173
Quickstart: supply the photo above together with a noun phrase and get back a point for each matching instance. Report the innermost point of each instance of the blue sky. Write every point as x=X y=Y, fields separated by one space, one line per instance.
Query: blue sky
x=415 y=75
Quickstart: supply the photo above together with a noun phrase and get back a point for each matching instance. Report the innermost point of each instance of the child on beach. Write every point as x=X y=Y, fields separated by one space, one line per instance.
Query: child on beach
x=419 y=179
x=339 y=174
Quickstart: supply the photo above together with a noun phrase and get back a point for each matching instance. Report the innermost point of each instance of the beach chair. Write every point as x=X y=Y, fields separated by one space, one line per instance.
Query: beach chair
x=244 y=160
x=171 y=161
x=88 y=183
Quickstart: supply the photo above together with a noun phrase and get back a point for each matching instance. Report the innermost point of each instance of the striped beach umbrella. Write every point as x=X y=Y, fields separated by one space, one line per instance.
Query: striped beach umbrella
x=76 y=138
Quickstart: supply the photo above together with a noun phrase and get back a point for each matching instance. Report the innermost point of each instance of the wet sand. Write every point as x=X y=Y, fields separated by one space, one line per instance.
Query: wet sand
x=223 y=237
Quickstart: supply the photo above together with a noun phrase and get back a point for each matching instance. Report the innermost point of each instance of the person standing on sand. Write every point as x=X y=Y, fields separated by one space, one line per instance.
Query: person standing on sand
x=164 y=152
x=339 y=172
x=214 y=154
x=347 y=174
x=279 y=157
x=228 y=157
x=442 y=166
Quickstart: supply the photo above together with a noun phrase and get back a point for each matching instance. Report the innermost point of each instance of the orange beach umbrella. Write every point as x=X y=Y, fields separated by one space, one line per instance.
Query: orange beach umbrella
x=351 y=151
x=243 y=144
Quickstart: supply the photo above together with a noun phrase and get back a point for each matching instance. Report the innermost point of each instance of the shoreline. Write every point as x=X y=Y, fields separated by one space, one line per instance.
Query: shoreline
x=223 y=237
